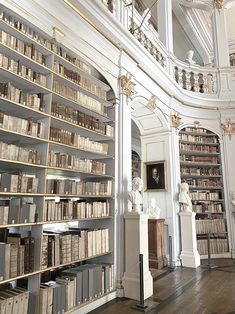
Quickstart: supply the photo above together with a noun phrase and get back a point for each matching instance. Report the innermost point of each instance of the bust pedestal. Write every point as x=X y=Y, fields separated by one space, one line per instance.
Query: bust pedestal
x=189 y=254
x=136 y=242
x=157 y=257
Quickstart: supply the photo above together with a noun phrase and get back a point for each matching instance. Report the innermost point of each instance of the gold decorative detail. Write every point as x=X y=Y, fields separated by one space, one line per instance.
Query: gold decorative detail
x=152 y=103
x=127 y=85
x=218 y=4
x=229 y=128
x=175 y=121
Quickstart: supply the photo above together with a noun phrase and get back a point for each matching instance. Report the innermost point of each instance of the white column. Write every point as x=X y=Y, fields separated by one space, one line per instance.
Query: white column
x=123 y=182
x=165 y=31
x=189 y=254
x=136 y=242
x=220 y=38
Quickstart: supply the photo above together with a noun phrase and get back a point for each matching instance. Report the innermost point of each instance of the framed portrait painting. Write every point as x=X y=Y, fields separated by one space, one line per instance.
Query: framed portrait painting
x=155 y=176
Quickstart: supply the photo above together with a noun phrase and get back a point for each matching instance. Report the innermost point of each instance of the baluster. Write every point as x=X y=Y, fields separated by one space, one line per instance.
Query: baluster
x=184 y=79
x=192 y=81
x=210 y=83
x=187 y=80
x=180 y=77
x=176 y=75
x=201 y=83
x=206 y=83
x=196 y=82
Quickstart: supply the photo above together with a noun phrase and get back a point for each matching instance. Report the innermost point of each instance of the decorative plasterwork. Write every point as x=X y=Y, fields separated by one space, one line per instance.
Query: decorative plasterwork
x=175 y=120
x=127 y=85
x=152 y=103
x=218 y=4
x=228 y=128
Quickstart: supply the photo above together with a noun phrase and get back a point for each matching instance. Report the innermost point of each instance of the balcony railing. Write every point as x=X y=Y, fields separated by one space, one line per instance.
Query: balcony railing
x=193 y=78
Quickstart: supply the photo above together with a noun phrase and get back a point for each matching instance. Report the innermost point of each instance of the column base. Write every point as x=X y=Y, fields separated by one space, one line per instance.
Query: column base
x=131 y=284
x=190 y=259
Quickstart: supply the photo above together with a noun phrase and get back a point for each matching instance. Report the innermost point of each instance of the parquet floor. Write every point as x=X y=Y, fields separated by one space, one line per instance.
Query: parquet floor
x=187 y=291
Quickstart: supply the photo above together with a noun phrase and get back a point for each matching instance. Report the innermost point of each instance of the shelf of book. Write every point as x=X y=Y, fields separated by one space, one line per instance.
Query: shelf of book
x=217 y=255
x=202 y=171
x=46 y=91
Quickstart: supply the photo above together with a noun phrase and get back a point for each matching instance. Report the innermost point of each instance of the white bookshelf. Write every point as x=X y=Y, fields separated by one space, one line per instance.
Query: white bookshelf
x=200 y=164
x=43 y=170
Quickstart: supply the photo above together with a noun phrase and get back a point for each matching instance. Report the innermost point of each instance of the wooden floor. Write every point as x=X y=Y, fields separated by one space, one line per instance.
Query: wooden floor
x=187 y=291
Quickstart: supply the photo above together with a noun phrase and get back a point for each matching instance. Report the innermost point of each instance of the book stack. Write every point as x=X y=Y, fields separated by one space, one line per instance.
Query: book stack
x=18 y=183
x=217 y=246
x=198 y=148
x=66 y=247
x=17 y=256
x=206 y=183
x=199 y=139
x=11 y=92
x=204 y=226
x=73 y=187
x=75 y=286
x=209 y=208
x=19 y=153
x=28 y=50
x=202 y=171
x=18 y=211
x=66 y=210
x=18 y=68
x=14 y=301
x=93 y=88
x=204 y=195
x=69 y=74
x=80 y=118
x=60 y=160
x=79 y=97
x=199 y=159
x=22 y=126
x=76 y=140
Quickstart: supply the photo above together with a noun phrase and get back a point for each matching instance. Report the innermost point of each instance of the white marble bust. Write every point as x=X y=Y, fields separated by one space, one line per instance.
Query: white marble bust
x=134 y=197
x=184 y=198
x=189 y=57
x=153 y=210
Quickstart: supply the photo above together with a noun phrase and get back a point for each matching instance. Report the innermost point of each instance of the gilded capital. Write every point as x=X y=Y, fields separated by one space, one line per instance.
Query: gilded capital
x=218 y=4
x=175 y=121
x=228 y=128
x=152 y=103
x=127 y=85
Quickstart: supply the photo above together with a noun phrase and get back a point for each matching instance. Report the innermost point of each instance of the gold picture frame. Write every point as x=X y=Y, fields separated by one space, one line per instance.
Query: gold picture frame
x=155 y=179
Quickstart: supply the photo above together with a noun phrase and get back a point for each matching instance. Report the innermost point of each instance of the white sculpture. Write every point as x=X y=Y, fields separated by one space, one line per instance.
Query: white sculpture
x=184 y=198
x=153 y=210
x=134 y=197
x=189 y=57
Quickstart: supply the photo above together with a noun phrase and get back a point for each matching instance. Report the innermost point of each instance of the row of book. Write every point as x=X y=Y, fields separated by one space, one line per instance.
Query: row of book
x=217 y=246
x=196 y=130
x=202 y=171
x=76 y=140
x=26 y=49
x=198 y=148
x=19 y=153
x=209 y=208
x=18 y=68
x=204 y=226
x=77 y=117
x=53 y=46
x=198 y=139
x=93 y=88
x=17 y=255
x=75 y=244
x=60 y=160
x=79 y=97
x=22 y=126
x=75 y=286
x=15 y=300
x=18 y=183
x=200 y=159
x=19 y=210
x=73 y=187
x=204 y=183
x=10 y=92
x=69 y=74
x=205 y=195
x=65 y=210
